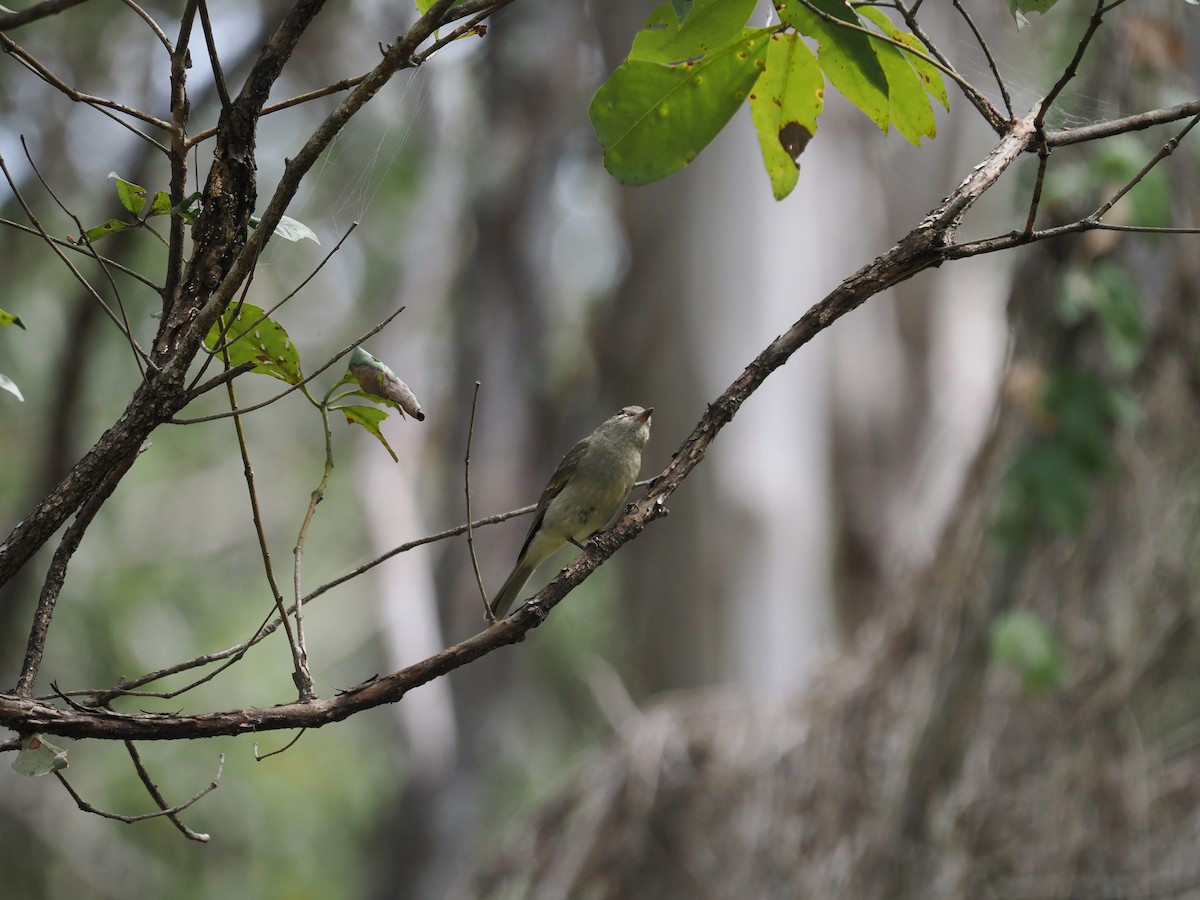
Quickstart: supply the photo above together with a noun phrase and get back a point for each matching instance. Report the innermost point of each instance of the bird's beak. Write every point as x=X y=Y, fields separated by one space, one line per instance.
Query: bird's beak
x=644 y=415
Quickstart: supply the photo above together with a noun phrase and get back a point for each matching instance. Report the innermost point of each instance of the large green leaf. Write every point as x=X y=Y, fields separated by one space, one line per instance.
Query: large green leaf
x=249 y=337
x=653 y=120
x=709 y=24
x=909 y=111
x=847 y=56
x=784 y=106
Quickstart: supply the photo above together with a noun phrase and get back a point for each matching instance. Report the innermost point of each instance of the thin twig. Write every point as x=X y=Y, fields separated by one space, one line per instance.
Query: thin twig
x=85 y=249
x=12 y=20
x=344 y=85
x=158 y=32
x=487 y=608
x=100 y=104
x=267 y=313
x=305 y=680
x=260 y=531
x=196 y=392
x=1036 y=199
x=86 y=807
x=283 y=749
x=211 y=41
x=1123 y=125
x=33 y=219
x=1072 y=67
x=138 y=353
x=987 y=53
x=165 y=808
x=1166 y=150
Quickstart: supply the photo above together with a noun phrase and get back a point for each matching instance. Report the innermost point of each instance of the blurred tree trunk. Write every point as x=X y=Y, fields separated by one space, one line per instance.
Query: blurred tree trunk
x=915 y=766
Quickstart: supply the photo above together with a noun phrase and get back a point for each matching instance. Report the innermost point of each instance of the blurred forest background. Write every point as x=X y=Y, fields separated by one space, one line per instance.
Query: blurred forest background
x=740 y=700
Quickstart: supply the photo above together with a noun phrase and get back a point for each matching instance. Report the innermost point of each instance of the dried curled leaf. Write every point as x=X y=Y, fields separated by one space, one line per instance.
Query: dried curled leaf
x=376 y=379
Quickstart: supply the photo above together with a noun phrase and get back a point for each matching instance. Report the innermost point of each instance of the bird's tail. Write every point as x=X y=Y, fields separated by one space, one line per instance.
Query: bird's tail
x=507 y=595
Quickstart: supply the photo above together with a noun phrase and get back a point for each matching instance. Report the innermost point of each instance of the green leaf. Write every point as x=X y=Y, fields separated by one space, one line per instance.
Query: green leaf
x=1022 y=640
x=909 y=111
x=929 y=74
x=7 y=318
x=112 y=226
x=847 y=57
x=709 y=24
x=132 y=196
x=1018 y=8
x=653 y=120
x=369 y=417
x=423 y=6
x=251 y=338
x=160 y=205
x=39 y=757
x=7 y=384
x=784 y=106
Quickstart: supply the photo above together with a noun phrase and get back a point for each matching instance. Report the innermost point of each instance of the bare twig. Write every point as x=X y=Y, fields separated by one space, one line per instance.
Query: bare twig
x=138 y=353
x=211 y=42
x=33 y=219
x=86 y=249
x=1166 y=150
x=305 y=681
x=1123 y=125
x=283 y=749
x=987 y=53
x=171 y=812
x=1039 y=180
x=1072 y=68
x=301 y=671
x=487 y=608
x=11 y=20
x=154 y=27
x=101 y=104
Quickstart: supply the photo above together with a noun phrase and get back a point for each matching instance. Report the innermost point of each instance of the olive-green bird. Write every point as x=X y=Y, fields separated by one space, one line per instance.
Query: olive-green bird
x=584 y=494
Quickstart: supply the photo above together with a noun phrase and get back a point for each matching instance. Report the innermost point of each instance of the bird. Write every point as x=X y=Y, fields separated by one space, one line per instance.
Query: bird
x=585 y=493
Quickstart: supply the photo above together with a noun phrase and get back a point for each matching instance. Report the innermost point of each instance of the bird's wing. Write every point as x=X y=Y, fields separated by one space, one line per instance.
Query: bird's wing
x=557 y=482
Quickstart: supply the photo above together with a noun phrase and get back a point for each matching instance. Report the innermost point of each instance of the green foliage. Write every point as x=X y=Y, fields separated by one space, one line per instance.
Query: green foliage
x=710 y=24
x=693 y=64
x=847 y=57
x=7 y=318
x=784 y=108
x=1018 y=8
x=1022 y=640
x=248 y=335
x=1050 y=481
x=653 y=119
x=1107 y=292
x=370 y=418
